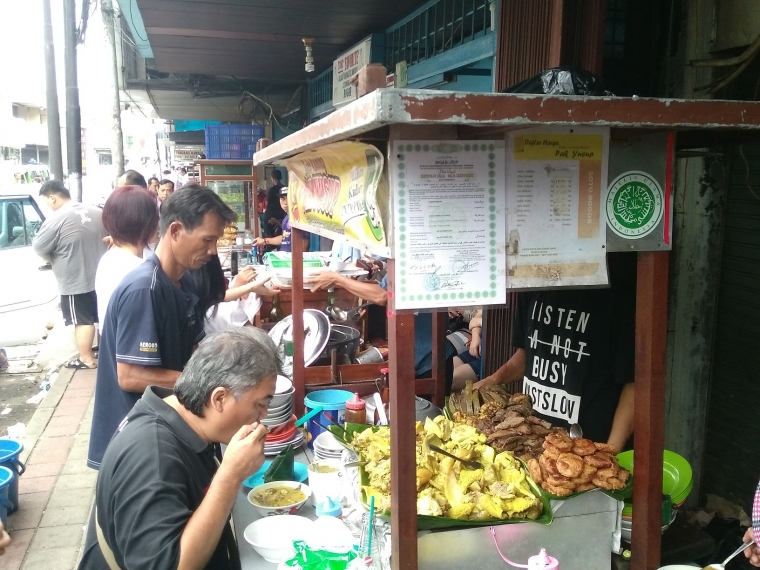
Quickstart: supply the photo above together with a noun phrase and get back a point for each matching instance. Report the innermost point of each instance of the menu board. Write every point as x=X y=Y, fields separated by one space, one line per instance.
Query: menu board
x=449 y=213
x=555 y=182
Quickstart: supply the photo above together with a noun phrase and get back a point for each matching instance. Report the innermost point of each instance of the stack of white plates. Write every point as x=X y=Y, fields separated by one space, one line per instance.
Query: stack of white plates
x=327 y=447
x=280 y=419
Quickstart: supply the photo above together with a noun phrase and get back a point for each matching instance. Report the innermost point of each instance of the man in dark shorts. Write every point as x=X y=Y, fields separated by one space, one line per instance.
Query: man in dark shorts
x=151 y=326
x=72 y=239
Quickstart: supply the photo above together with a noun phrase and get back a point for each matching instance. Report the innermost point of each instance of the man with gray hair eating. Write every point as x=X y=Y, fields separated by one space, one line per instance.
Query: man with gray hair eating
x=161 y=501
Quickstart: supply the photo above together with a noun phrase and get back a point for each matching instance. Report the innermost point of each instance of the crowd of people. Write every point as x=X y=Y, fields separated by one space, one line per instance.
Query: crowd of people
x=173 y=382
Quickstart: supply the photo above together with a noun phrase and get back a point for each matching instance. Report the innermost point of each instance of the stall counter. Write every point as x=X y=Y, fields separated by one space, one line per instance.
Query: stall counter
x=580 y=537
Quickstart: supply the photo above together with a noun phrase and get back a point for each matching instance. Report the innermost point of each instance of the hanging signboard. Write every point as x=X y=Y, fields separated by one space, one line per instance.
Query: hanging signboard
x=556 y=182
x=338 y=192
x=345 y=67
x=449 y=223
x=187 y=153
x=639 y=204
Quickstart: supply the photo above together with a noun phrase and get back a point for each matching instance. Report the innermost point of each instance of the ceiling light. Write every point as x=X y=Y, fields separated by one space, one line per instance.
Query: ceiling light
x=308 y=43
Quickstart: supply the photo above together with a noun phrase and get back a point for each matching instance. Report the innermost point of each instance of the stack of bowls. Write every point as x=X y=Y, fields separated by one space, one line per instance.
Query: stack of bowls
x=280 y=419
x=677 y=482
x=326 y=446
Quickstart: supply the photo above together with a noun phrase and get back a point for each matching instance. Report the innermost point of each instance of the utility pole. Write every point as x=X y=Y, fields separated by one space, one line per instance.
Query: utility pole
x=55 y=162
x=117 y=146
x=73 y=118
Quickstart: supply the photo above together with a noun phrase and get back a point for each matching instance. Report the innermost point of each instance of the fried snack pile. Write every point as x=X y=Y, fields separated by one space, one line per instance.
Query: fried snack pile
x=230 y=233
x=499 y=490
x=573 y=465
x=507 y=421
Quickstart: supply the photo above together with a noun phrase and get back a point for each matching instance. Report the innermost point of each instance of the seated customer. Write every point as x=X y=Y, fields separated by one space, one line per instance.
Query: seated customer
x=160 y=501
x=467 y=362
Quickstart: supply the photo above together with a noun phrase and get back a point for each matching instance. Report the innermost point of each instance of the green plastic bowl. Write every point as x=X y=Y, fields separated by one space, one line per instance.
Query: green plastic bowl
x=676 y=474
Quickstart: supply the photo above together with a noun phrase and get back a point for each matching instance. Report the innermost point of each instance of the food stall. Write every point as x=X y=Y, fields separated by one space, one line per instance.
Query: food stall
x=397 y=122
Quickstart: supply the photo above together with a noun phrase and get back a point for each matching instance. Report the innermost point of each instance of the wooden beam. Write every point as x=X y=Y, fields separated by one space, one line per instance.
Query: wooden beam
x=403 y=464
x=299 y=380
x=440 y=319
x=651 y=342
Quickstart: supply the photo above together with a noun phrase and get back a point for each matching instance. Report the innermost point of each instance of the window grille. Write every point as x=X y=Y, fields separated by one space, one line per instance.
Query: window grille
x=436 y=28
x=320 y=88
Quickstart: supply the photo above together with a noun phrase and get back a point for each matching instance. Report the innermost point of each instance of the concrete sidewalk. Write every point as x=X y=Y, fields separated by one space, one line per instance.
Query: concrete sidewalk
x=56 y=491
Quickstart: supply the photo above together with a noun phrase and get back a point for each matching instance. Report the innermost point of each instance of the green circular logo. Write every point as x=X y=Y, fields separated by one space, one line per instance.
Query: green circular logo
x=634 y=205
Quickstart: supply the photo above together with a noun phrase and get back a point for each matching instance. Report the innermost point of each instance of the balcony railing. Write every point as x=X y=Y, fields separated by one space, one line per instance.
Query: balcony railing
x=437 y=27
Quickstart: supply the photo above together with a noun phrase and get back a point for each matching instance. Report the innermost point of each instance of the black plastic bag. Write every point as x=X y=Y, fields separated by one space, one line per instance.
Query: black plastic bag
x=562 y=81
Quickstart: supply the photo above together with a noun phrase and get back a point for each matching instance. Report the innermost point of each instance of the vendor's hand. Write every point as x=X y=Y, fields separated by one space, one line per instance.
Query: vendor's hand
x=487 y=381
x=5 y=540
x=244 y=276
x=245 y=452
x=753 y=552
x=323 y=280
x=258 y=242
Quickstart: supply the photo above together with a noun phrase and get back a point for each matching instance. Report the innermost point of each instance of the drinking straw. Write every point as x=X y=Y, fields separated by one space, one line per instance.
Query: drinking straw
x=371 y=524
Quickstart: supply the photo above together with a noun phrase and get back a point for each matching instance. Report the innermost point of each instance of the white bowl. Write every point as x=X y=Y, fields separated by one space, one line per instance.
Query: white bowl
x=281 y=399
x=277 y=410
x=273 y=537
x=336 y=264
x=291 y=509
x=283 y=385
x=278 y=419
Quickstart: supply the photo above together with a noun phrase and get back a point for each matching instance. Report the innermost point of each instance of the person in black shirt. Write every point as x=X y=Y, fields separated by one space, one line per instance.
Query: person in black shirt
x=274 y=214
x=576 y=356
x=160 y=501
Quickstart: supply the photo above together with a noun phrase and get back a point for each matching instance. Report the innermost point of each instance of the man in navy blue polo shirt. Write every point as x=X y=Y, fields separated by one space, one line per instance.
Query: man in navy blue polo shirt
x=151 y=324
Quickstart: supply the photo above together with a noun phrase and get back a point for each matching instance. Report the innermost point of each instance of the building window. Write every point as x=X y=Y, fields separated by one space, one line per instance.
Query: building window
x=105 y=159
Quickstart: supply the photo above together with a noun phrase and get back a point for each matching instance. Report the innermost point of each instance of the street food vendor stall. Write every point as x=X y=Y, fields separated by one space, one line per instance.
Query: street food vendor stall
x=465 y=164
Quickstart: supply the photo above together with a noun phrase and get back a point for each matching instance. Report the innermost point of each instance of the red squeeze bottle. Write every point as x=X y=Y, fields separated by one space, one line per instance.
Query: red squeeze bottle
x=356 y=412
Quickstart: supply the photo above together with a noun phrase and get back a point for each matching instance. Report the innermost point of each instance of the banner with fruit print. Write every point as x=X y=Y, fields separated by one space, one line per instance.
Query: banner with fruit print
x=338 y=191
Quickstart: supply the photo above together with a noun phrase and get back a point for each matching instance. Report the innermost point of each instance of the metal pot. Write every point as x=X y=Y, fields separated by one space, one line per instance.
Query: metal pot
x=345 y=340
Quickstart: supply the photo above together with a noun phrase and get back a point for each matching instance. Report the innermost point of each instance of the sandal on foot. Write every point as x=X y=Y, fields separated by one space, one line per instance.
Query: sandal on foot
x=79 y=365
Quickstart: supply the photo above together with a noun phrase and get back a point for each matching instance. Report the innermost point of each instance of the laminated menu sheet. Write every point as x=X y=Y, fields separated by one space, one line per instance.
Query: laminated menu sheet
x=449 y=214
x=556 y=186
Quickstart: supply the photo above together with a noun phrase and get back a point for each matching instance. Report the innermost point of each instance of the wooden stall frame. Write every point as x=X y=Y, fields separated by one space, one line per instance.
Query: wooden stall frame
x=479 y=115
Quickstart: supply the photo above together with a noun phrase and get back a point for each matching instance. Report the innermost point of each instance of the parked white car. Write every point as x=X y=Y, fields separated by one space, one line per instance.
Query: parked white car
x=28 y=289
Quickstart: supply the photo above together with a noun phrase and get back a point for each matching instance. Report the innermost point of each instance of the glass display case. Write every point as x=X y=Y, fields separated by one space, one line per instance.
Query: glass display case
x=233 y=181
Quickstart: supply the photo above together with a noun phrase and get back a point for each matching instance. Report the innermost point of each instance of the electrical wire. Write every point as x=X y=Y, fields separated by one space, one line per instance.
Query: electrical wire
x=746 y=172
x=132 y=19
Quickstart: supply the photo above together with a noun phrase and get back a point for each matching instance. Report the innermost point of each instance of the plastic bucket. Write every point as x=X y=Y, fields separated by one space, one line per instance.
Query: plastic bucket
x=6 y=479
x=333 y=404
x=10 y=449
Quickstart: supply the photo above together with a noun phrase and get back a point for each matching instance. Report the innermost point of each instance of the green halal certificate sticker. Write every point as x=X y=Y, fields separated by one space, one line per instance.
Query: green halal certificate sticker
x=634 y=205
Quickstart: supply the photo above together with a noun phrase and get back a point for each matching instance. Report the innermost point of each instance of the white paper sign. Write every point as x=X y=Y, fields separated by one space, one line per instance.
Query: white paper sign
x=556 y=185
x=449 y=223
x=344 y=68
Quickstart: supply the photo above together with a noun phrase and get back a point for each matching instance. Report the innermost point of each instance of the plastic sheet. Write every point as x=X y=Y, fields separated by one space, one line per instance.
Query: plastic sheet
x=562 y=81
x=312 y=559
